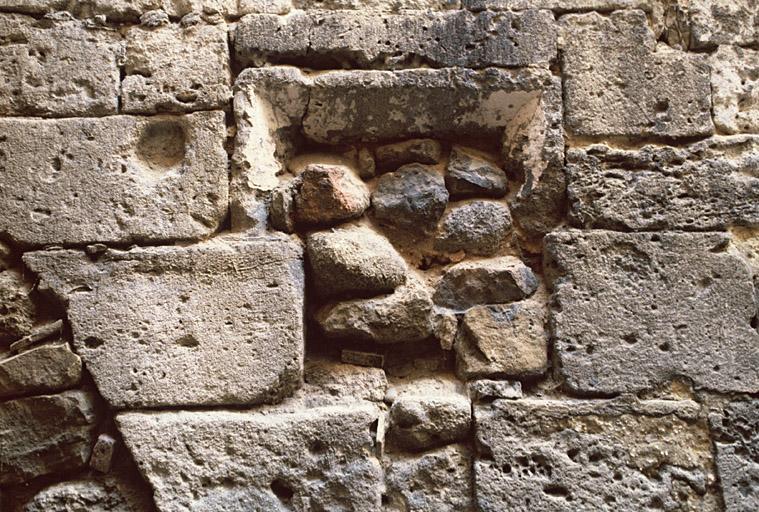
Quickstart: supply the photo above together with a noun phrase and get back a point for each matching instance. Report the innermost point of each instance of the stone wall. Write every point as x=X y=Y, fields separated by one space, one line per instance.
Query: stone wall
x=362 y=255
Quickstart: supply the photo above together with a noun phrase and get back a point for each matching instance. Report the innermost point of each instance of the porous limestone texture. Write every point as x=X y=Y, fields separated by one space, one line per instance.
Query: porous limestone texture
x=117 y=179
x=213 y=323
x=619 y=83
x=317 y=459
x=554 y=455
x=632 y=311
x=735 y=89
x=56 y=68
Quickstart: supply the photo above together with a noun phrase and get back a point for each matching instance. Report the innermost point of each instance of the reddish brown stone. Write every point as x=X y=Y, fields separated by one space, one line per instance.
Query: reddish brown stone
x=329 y=194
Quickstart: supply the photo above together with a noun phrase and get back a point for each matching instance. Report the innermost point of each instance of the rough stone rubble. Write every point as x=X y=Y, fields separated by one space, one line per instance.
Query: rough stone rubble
x=407 y=255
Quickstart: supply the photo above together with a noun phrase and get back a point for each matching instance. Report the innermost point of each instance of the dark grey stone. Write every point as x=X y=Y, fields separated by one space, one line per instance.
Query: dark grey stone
x=479 y=227
x=469 y=176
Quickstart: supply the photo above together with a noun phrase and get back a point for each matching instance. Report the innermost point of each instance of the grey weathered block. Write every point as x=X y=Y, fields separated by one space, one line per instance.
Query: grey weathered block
x=619 y=83
x=45 y=434
x=361 y=39
x=207 y=461
x=176 y=69
x=735 y=89
x=710 y=23
x=58 y=68
x=558 y=455
x=558 y=6
x=115 y=179
x=125 y=10
x=709 y=185
x=215 y=323
x=634 y=311
x=45 y=369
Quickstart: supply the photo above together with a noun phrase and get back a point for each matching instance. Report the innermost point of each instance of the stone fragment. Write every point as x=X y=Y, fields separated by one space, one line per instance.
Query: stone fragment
x=618 y=83
x=736 y=433
x=561 y=455
x=57 y=68
x=116 y=179
x=423 y=151
x=263 y=6
x=735 y=89
x=439 y=480
x=219 y=322
x=444 y=327
x=17 y=311
x=155 y=18
x=367 y=166
x=58 y=432
x=176 y=69
x=349 y=381
x=503 y=340
x=712 y=184
x=359 y=358
x=485 y=389
x=479 y=227
x=354 y=261
x=490 y=281
x=258 y=460
x=44 y=369
x=6 y=257
x=468 y=175
x=632 y=311
x=402 y=316
x=421 y=422
x=378 y=5
x=370 y=40
x=102 y=453
x=329 y=194
x=705 y=24
x=558 y=6
x=369 y=106
x=282 y=207
x=38 y=334
x=412 y=198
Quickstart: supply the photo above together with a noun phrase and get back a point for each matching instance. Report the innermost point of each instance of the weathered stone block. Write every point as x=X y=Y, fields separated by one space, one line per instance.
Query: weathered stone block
x=618 y=83
x=215 y=323
x=455 y=38
x=552 y=455
x=735 y=89
x=706 y=24
x=424 y=421
x=633 y=311
x=57 y=68
x=378 y=5
x=115 y=179
x=45 y=434
x=559 y=6
x=345 y=381
x=390 y=157
x=124 y=10
x=329 y=194
x=318 y=459
x=176 y=69
x=17 y=310
x=43 y=369
x=709 y=185
x=477 y=227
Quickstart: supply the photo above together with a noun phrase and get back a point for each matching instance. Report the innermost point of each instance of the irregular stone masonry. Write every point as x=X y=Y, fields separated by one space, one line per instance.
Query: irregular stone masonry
x=405 y=255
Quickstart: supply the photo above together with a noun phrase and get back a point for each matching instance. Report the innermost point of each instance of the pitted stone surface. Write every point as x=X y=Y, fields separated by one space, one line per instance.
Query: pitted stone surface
x=633 y=311
x=125 y=10
x=735 y=89
x=709 y=23
x=176 y=69
x=58 y=432
x=559 y=6
x=116 y=179
x=423 y=421
x=17 y=310
x=449 y=39
x=618 y=83
x=215 y=323
x=317 y=459
x=709 y=185
x=329 y=194
x=57 y=68
x=558 y=455
x=479 y=227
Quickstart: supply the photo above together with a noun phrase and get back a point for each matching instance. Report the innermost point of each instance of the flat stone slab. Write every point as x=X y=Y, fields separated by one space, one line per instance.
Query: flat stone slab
x=712 y=184
x=176 y=68
x=558 y=455
x=116 y=179
x=364 y=39
x=44 y=369
x=57 y=68
x=632 y=311
x=317 y=459
x=618 y=83
x=214 y=323
x=128 y=10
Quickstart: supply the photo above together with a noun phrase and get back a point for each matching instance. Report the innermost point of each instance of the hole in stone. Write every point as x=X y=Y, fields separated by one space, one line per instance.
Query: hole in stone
x=93 y=342
x=664 y=347
x=282 y=490
x=162 y=144
x=188 y=341
x=317 y=446
x=557 y=491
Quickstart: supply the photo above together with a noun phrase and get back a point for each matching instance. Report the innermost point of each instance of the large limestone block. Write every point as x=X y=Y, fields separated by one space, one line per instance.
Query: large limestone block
x=215 y=323
x=559 y=455
x=633 y=311
x=45 y=434
x=129 y=10
x=317 y=459
x=709 y=185
x=57 y=68
x=735 y=86
x=454 y=38
x=618 y=83
x=176 y=68
x=44 y=369
x=736 y=438
x=115 y=179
